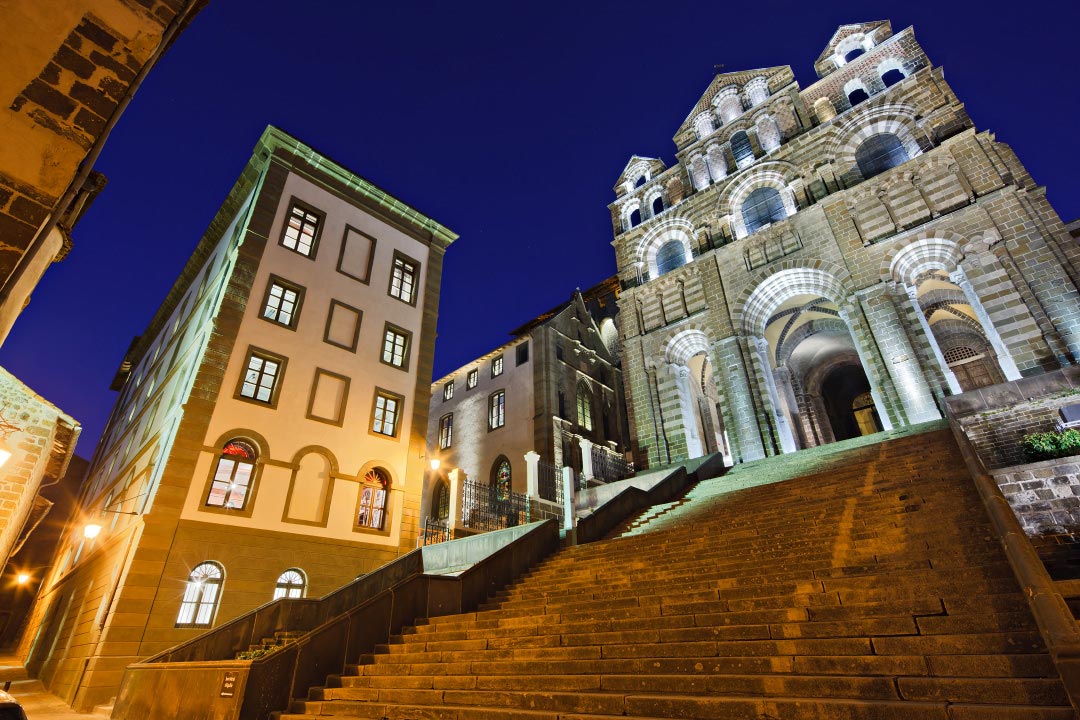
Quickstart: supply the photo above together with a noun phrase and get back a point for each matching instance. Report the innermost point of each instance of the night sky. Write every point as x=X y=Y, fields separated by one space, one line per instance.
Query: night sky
x=508 y=124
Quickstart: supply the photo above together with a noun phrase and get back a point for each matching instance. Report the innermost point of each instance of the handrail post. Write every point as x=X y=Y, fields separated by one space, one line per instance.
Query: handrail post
x=532 y=474
x=586 y=459
x=568 y=498
x=457 y=479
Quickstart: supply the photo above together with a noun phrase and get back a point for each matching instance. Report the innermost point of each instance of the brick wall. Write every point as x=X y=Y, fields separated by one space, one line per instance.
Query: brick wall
x=1045 y=495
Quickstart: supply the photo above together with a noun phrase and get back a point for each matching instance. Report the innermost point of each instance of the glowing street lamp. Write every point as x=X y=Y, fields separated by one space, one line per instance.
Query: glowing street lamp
x=435 y=463
x=22 y=578
x=91 y=531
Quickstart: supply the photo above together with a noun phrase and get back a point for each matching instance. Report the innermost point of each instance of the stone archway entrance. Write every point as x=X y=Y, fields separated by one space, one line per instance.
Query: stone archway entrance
x=706 y=405
x=848 y=402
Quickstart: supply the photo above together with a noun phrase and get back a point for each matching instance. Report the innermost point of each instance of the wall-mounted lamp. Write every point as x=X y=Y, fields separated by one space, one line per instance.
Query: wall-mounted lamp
x=22 y=578
x=435 y=463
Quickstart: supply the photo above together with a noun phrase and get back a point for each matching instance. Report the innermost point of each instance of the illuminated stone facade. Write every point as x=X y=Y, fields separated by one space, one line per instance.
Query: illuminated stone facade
x=70 y=69
x=271 y=418
x=826 y=261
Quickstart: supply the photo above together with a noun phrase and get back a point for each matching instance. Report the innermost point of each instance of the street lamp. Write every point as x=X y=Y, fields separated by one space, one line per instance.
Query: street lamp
x=22 y=578
x=91 y=531
x=435 y=463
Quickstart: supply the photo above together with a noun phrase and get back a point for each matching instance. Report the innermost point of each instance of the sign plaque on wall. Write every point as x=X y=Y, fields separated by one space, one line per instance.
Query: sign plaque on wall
x=228 y=684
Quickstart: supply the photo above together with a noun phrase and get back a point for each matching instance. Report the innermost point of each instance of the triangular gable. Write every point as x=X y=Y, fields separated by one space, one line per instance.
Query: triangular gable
x=739 y=78
x=845 y=31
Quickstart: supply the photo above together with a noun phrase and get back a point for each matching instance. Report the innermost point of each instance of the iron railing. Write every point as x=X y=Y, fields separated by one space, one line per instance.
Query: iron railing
x=434 y=531
x=484 y=508
x=608 y=466
x=549 y=482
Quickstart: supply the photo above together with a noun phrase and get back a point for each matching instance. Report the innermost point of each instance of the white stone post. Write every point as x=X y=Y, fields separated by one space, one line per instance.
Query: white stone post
x=457 y=479
x=569 y=520
x=586 y=458
x=532 y=474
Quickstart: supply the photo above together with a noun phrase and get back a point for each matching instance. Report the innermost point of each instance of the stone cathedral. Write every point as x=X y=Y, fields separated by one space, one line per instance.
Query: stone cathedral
x=830 y=261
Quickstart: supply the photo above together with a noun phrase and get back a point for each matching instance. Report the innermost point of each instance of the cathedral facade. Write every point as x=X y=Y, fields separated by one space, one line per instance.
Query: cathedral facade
x=831 y=261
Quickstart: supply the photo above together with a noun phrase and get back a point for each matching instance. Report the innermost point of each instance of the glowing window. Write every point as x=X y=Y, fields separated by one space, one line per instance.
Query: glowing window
x=471 y=379
x=282 y=303
x=448 y=390
x=584 y=408
x=497 y=366
x=502 y=478
x=290 y=584
x=301 y=230
x=233 y=476
x=201 y=596
x=497 y=410
x=741 y=148
x=384 y=419
x=395 y=346
x=372 y=511
x=261 y=378
x=446 y=431
x=403 y=280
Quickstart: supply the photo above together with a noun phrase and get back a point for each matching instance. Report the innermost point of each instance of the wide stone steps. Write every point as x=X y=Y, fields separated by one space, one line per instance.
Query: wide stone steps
x=874 y=590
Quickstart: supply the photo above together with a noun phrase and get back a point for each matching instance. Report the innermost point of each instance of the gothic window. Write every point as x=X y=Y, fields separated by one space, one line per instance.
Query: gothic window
x=233 y=475
x=373 y=489
x=201 y=596
x=891 y=77
x=584 y=407
x=446 y=431
x=635 y=218
x=497 y=410
x=395 y=350
x=290 y=584
x=853 y=54
x=282 y=303
x=403 y=279
x=671 y=255
x=762 y=207
x=657 y=205
x=500 y=477
x=741 y=148
x=879 y=153
x=385 y=415
x=301 y=233
x=262 y=377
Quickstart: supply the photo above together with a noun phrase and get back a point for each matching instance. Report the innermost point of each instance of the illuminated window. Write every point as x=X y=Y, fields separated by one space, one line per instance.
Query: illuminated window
x=670 y=256
x=497 y=410
x=403 y=279
x=384 y=418
x=372 y=511
x=500 y=472
x=290 y=584
x=471 y=379
x=282 y=304
x=440 y=504
x=233 y=476
x=448 y=390
x=741 y=148
x=302 y=230
x=395 y=346
x=262 y=377
x=446 y=431
x=762 y=207
x=201 y=596
x=584 y=407
x=497 y=366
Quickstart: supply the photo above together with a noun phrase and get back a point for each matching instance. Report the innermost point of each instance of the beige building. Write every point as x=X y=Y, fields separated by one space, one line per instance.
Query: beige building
x=829 y=261
x=268 y=437
x=554 y=390
x=70 y=69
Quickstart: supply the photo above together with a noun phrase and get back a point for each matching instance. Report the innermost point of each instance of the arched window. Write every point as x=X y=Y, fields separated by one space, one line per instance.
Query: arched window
x=891 y=77
x=671 y=255
x=584 y=407
x=879 y=153
x=500 y=477
x=741 y=148
x=959 y=353
x=233 y=475
x=852 y=54
x=372 y=511
x=201 y=596
x=657 y=205
x=290 y=584
x=640 y=181
x=635 y=218
x=857 y=95
x=762 y=207
x=440 y=502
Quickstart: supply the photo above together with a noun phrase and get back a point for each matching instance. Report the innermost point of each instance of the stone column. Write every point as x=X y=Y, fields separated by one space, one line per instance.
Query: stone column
x=850 y=315
x=1004 y=357
x=760 y=347
x=950 y=376
x=899 y=357
x=730 y=369
x=457 y=479
x=788 y=405
x=532 y=474
x=569 y=519
x=586 y=458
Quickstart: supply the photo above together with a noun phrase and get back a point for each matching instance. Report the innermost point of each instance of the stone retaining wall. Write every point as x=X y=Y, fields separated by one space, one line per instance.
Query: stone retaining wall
x=1044 y=495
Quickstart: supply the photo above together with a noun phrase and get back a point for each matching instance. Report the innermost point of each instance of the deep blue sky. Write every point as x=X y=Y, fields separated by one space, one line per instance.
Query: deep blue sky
x=507 y=122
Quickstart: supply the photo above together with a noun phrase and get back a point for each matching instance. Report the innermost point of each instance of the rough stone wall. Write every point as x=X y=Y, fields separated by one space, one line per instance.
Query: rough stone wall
x=1045 y=495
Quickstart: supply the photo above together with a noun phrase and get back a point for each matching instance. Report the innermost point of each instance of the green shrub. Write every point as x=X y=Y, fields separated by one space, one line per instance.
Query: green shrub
x=1050 y=445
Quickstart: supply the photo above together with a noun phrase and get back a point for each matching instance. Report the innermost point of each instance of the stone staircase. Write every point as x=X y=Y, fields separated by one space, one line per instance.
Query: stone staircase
x=872 y=589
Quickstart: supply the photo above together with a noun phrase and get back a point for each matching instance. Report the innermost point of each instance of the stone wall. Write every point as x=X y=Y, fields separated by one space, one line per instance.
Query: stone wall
x=1044 y=495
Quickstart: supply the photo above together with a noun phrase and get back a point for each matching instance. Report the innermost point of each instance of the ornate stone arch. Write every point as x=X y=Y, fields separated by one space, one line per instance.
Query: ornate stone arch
x=786 y=279
x=776 y=175
x=671 y=228
x=685 y=343
x=896 y=119
x=649 y=197
x=704 y=124
x=627 y=209
x=831 y=326
x=924 y=252
x=728 y=103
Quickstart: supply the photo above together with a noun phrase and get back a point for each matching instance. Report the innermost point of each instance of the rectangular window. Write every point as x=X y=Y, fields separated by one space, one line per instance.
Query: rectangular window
x=471 y=378
x=395 y=350
x=497 y=410
x=497 y=366
x=282 y=303
x=446 y=431
x=386 y=414
x=357 y=254
x=403 y=279
x=301 y=232
x=448 y=390
x=522 y=353
x=262 y=377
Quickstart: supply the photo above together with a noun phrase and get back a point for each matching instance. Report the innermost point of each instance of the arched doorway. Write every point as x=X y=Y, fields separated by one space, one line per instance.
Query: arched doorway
x=698 y=427
x=706 y=405
x=848 y=402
